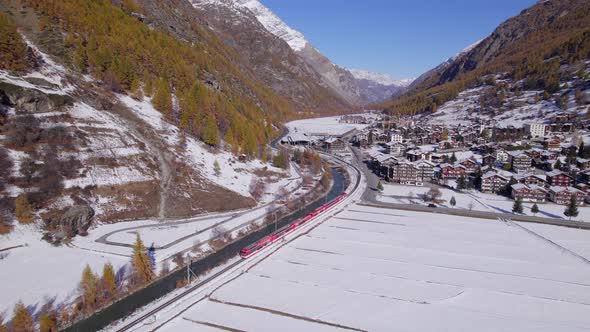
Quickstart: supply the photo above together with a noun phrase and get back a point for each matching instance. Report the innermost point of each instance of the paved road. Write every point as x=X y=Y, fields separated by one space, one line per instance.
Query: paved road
x=369 y=198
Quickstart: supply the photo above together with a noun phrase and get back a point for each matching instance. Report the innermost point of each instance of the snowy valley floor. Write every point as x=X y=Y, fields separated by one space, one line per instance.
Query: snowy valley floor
x=386 y=270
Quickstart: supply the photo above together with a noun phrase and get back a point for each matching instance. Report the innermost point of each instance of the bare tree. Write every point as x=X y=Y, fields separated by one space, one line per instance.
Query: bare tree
x=257 y=188
x=433 y=194
x=218 y=231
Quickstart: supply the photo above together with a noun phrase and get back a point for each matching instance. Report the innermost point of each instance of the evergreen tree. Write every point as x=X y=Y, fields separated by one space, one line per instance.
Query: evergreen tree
x=13 y=50
x=22 y=320
x=535 y=209
x=461 y=183
x=517 y=207
x=572 y=156
x=380 y=186
x=581 y=150
x=162 y=97
x=142 y=268
x=325 y=180
x=89 y=288
x=453 y=201
x=48 y=321
x=557 y=165
x=444 y=135
x=571 y=210
x=453 y=158
x=23 y=210
x=109 y=282
x=211 y=133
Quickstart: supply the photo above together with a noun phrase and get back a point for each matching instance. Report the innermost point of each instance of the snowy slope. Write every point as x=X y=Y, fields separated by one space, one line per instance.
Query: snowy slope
x=379 y=78
x=265 y=16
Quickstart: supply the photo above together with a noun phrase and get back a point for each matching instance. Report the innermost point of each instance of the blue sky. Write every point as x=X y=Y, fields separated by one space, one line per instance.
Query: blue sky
x=400 y=38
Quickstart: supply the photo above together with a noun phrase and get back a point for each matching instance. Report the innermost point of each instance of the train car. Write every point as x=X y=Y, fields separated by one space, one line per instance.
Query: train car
x=252 y=249
x=246 y=252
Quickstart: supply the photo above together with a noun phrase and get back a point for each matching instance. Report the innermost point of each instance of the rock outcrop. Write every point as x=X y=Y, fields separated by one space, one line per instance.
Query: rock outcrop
x=32 y=100
x=76 y=220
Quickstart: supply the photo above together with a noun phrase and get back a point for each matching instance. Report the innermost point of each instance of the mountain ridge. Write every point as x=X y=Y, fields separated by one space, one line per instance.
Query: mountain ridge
x=356 y=91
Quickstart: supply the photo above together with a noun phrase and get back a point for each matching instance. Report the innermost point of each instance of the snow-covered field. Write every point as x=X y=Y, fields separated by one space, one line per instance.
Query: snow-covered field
x=38 y=271
x=475 y=200
x=329 y=126
x=381 y=270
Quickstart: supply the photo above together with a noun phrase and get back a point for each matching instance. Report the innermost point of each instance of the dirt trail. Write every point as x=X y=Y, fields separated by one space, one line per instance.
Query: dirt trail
x=151 y=139
x=143 y=132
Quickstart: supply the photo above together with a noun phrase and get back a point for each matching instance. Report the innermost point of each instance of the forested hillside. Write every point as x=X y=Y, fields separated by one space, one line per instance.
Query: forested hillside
x=194 y=83
x=533 y=45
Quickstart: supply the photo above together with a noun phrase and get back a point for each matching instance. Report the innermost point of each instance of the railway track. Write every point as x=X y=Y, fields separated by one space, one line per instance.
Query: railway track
x=152 y=312
x=136 y=322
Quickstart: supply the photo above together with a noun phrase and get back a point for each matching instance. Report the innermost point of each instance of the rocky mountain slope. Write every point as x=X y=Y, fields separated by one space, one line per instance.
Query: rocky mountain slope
x=237 y=18
x=536 y=50
x=270 y=58
x=72 y=137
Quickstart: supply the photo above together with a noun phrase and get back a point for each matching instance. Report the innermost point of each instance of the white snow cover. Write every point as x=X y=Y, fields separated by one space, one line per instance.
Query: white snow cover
x=324 y=126
x=475 y=200
x=382 y=270
x=266 y=17
x=39 y=271
x=233 y=175
x=380 y=78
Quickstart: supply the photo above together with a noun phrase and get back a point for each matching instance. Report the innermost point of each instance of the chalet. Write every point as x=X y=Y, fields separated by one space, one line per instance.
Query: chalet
x=530 y=193
x=386 y=162
x=425 y=170
x=361 y=140
x=452 y=171
x=396 y=149
x=470 y=165
x=333 y=145
x=557 y=178
x=563 y=195
x=521 y=162
x=534 y=153
x=553 y=144
x=531 y=179
x=586 y=189
x=549 y=156
x=493 y=182
x=489 y=159
x=412 y=173
x=414 y=155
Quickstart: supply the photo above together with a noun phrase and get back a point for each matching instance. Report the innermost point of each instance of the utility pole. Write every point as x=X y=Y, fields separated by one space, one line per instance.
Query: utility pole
x=274 y=212
x=188 y=269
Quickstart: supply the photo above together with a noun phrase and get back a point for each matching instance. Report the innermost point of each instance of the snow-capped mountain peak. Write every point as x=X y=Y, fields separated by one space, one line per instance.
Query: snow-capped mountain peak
x=379 y=78
x=271 y=22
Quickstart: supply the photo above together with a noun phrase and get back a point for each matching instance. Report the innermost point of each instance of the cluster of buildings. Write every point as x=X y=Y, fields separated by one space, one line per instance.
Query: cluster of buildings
x=538 y=163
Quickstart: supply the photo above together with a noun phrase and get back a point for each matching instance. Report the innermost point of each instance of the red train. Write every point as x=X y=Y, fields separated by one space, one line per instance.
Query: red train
x=252 y=249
